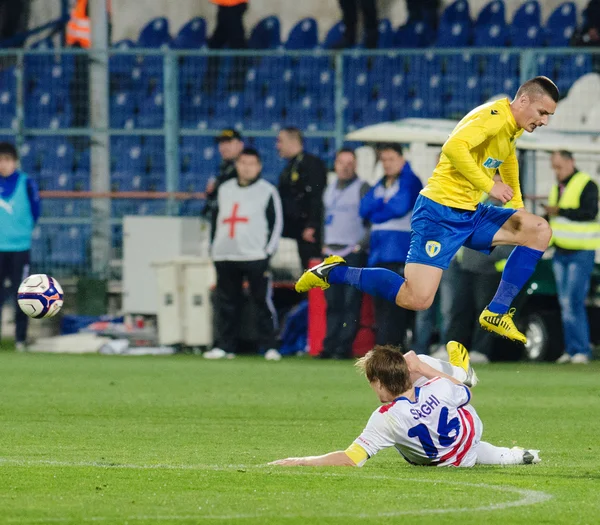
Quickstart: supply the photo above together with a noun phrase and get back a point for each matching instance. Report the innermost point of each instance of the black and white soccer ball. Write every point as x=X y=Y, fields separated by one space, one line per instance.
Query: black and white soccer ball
x=40 y=296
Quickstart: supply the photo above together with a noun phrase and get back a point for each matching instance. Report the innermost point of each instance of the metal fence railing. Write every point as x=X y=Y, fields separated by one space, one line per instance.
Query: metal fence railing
x=164 y=107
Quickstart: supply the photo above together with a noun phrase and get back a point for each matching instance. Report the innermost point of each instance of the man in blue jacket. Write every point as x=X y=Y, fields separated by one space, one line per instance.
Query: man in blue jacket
x=388 y=207
x=19 y=211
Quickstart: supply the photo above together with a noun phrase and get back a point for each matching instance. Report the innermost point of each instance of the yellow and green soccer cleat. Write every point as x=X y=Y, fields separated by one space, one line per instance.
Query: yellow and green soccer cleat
x=502 y=324
x=316 y=277
x=459 y=356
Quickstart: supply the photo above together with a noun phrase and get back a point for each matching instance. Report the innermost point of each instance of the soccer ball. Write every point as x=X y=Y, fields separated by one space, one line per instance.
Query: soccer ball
x=40 y=296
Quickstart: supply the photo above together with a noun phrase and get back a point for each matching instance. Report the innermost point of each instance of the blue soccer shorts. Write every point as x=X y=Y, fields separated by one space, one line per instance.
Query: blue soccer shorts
x=438 y=231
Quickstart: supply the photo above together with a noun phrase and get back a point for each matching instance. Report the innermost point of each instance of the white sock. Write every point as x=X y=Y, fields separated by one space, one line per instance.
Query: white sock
x=490 y=455
x=443 y=366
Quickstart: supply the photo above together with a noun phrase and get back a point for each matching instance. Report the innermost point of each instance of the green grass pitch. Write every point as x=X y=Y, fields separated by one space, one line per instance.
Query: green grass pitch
x=178 y=439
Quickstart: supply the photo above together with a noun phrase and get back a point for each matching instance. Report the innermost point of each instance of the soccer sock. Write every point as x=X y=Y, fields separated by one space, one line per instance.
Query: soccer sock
x=446 y=368
x=378 y=282
x=491 y=455
x=519 y=268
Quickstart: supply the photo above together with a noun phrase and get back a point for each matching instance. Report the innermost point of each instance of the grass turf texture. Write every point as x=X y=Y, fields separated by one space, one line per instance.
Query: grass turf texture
x=183 y=440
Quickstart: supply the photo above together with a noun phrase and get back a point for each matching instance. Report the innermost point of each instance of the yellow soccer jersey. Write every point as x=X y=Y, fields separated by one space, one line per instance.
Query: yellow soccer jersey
x=483 y=142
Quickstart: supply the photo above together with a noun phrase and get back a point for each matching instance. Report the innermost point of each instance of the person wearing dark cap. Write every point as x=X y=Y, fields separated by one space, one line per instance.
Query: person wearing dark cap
x=388 y=208
x=301 y=186
x=19 y=211
x=230 y=146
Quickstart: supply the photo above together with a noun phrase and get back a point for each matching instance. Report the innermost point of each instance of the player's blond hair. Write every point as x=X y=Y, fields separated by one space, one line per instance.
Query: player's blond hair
x=386 y=364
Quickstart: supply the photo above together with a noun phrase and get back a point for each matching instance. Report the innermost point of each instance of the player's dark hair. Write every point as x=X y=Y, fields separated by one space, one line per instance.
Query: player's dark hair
x=564 y=154
x=346 y=150
x=295 y=133
x=386 y=364
x=539 y=86
x=6 y=148
x=394 y=146
x=252 y=152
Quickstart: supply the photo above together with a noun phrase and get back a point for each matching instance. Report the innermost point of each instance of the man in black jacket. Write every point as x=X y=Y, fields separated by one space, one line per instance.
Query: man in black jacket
x=301 y=186
x=230 y=146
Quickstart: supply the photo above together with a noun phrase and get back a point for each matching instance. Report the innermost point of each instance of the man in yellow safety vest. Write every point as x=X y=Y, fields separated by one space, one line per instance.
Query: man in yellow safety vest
x=573 y=212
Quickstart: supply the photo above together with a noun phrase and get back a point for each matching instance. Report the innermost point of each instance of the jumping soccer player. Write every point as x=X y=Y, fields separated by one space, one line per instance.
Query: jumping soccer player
x=448 y=215
x=432 y=425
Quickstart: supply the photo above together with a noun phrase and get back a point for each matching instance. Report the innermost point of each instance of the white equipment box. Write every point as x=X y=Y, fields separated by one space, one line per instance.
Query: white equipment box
x=150 y=239
x=185 y=309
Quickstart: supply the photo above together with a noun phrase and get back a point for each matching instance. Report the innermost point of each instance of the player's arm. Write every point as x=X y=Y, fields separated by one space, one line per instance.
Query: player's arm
x=509 y=171
x=459 y=145
x=376 y=436
x=418 y=368
x=333 y=459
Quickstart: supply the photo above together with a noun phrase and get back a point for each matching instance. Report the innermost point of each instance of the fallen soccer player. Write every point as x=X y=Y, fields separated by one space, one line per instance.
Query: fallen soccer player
x=427 y=415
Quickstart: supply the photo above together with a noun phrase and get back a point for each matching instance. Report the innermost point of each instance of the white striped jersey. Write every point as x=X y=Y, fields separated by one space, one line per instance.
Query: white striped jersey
x=439 y=428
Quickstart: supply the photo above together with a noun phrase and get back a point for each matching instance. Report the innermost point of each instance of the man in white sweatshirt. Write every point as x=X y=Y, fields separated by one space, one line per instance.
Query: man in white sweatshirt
x=246 y=229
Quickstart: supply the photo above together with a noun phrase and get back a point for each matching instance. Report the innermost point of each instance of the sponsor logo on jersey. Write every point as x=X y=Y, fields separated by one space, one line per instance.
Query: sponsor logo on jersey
x=432 y=248
x=492 y=163
x=494 y=111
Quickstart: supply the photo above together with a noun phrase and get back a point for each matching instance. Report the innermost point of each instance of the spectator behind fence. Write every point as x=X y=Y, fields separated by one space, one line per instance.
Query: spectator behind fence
x=475 y=278
x=388 y=208
x=573 y=214
x=350 y=18
x=230 y=146
x=301 y=186
x=229 y=31
x=423 y=11
x=589 y=34
x=247 y=225
x=19 y=211
x=345 y=235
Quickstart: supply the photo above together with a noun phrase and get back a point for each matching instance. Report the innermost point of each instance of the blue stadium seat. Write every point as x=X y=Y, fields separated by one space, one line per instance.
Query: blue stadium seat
x=561 y=25
x=334 y=36
x=385 y=39
x=121 y=65
x=45 y=109
x=122 y=144
x=191 y=74
x=496 y=85
x=548 y=65
x=456 y=13
x=267 y=113
x=304 y=35
x=375 y=112
x=129 y=159
x=266 y=34
x=151 y=112
x=153 y=151
x=157 y=181
x=52 y=207
x=81 y=180
x=454 y=35
x=462 y=64
x=463 y=97
x=123 y=107
x=273 y=164
x=8 y=79
x=527 y=15
x=414 y=35
x=302 y=114
x=192 y=35
x=155 y=34
x=127 y=181
x=315 y=146
x=502 y=65
x=152 y=80
x=197 y=153
x=491 y=36
x=76 y=207
x=191 y=182
x=531 y=36
x=59 y=156
x=8 y=107
x=570 y=68
x=151 y=207
x=229 y=112
x=492 y=13
x=53 y=179
x=28 y=155
x=68 y=246
x=194 y=112
x=191 y=208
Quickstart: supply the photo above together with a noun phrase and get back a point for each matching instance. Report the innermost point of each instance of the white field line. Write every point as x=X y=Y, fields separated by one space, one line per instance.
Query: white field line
x=527 y=497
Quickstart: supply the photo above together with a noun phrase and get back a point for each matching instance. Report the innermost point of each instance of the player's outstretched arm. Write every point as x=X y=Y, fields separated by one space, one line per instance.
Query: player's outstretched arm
x=420 y=369
x=333 y=459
